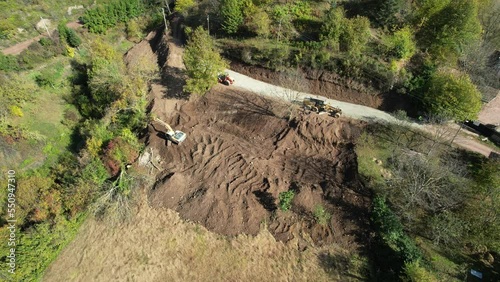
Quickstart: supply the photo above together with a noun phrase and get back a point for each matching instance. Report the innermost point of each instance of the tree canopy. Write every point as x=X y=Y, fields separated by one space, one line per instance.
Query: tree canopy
x=452 y=27
x=453 y=95
x=203 y=62
x=232 y=15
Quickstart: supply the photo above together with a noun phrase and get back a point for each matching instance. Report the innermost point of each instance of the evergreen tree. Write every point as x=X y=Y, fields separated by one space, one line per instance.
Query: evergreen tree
x=389 y=12
x=232 y=15
x=332 y=27
x=73 y=38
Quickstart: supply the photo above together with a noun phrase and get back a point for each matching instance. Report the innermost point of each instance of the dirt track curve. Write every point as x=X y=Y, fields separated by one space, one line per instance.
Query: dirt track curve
x=20 y=47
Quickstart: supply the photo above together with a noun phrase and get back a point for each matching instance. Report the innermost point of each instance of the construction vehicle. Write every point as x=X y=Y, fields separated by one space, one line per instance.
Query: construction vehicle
x=320 y=107
x=225 y=79
x=175 y=136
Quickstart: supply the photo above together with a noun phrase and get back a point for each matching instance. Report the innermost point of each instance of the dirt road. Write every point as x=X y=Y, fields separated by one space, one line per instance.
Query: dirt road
x=20 y=47
x=348 y=109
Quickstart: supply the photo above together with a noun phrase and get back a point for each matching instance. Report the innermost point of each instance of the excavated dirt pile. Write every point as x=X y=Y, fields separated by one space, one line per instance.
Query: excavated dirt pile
x=239 y=155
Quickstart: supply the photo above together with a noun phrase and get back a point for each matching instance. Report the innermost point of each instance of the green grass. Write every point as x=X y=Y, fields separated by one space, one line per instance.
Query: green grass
x=16 y=14
x=443 y=267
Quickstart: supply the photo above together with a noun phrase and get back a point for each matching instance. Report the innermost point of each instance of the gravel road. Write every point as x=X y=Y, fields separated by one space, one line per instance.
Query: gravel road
x=350 y=110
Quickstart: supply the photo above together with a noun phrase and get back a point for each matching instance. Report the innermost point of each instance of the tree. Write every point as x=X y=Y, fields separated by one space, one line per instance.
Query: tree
x=482 y=212
x=73 y=38
x=203 y=62
x=340 y=33
x=390 y=12
x=401 y=44
x=421 y=185
x=451 y=28
x=232 y=15
x=452 y=95
x=182 y=6
x=331 y=30
x=490 y=20
x=355 y=35
x=258 y=22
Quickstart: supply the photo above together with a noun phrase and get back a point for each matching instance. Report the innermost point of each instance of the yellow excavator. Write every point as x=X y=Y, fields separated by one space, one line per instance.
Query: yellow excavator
x=176 y=136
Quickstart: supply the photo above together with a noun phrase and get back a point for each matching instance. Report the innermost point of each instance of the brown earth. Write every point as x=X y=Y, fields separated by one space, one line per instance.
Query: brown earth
x=238 y=157
x=240 y=154
x=157 y=245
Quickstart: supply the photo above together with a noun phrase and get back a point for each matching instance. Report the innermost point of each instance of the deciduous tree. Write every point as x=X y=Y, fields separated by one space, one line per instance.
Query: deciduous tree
x=452 y=95
x=203 y=62
x=451 y=28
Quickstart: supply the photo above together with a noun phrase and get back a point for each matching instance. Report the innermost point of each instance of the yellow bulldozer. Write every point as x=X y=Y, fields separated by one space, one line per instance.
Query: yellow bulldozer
x=320 y=107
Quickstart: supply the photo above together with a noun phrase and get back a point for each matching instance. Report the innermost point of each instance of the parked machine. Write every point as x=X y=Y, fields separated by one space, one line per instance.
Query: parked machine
x=225 y=79
x=176 y=136
x=319 y=106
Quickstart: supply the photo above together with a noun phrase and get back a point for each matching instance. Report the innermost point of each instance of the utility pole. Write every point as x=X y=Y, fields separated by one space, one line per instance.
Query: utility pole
x=44 y=25
x=208 y=24
x=165 y=20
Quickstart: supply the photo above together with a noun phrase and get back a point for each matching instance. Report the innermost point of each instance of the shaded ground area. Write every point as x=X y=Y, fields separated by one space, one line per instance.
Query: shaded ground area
x=240 y=154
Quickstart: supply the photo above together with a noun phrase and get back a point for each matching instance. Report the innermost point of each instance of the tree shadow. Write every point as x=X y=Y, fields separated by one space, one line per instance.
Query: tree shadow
x=174 y=79
x=246 y=105
x=338 y=263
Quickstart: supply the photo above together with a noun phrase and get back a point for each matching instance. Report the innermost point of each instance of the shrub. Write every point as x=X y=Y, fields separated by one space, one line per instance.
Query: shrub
x=286 y=199
x=452 y=95
x=182 y=6
x=321 y=215
x=16 y=111
x=401 y=44
x=8 y=63
x=391 y=230
x=416 y=273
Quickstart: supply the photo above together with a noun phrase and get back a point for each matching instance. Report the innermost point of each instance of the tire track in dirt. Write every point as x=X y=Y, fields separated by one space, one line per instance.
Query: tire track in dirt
x=239 y=156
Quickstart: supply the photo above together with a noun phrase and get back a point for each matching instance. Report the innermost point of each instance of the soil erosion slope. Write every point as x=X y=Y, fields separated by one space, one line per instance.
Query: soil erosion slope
x=240 y=154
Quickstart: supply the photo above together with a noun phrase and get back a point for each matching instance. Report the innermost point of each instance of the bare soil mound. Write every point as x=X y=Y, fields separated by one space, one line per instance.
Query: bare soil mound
x=239 y=156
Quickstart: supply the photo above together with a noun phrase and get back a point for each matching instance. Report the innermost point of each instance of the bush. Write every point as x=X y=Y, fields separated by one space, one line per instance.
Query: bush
x=391 y=230
x=8 y=63
x=16 y=111
x=182 y=6
x=44 y=41
x=401 y=44
x=286 y=199
x=416 y=273
x=321 y=215
x=453 y=96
